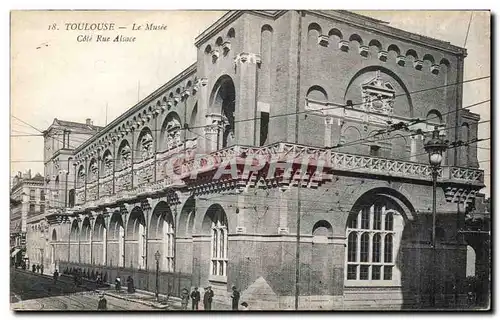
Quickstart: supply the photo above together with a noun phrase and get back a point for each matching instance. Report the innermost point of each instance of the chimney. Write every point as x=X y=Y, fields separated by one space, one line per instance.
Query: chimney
x=89 y=122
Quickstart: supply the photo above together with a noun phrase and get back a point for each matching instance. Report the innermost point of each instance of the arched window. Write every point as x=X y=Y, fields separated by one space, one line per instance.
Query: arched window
x=146 y=145
x=162 y=229
x=371 y=234
x=93 y=169
x=107 y=163
x=223 y=102
x=81 y=177
x=434 y=117
x=172 y=131
x=125 y=155
x=219 y=244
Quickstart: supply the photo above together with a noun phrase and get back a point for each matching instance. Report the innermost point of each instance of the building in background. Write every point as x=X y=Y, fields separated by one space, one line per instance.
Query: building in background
x=27 y=200
x=348 y=96
x=60 y=141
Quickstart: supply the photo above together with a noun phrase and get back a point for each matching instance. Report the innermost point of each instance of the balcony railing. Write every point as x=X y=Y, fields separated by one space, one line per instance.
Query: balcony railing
x=144 y=183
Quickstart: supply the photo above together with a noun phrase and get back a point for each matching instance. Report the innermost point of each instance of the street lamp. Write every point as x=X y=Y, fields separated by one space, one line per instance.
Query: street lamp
x=157 y=258
x=435 y=148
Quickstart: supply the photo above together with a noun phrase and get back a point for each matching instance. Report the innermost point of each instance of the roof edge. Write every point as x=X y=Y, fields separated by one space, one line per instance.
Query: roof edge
x=371 y=24
x=230 y=17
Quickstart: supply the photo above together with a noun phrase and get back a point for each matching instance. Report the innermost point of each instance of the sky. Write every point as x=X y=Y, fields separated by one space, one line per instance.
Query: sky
x=54 y=76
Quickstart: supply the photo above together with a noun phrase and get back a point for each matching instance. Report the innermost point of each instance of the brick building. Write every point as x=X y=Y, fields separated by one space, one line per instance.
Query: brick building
x=324 y=89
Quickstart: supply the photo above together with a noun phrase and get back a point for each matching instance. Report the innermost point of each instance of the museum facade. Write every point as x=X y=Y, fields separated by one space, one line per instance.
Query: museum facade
x=292 y=129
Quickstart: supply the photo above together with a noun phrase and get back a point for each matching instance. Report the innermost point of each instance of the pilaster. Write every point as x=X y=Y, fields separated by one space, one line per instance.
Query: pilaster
x=246 y=65
x=283 y=211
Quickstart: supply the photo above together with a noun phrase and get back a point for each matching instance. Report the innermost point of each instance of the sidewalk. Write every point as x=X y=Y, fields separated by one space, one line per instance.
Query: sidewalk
x=140 y=296
x=145 y=297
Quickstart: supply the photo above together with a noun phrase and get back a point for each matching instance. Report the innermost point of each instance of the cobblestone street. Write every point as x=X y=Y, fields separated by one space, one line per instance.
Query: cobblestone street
x=34 y=292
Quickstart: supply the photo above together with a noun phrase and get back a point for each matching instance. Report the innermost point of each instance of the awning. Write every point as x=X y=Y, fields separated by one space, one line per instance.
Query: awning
x=15 y=252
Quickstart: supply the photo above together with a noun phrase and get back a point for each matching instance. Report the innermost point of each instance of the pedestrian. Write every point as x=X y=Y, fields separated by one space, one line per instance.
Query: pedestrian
x=75 y=279
x=130 y=285
x=41 y=268
x=118 y=283
x=236 y=297
x=98 y=280
x=103 y=303
x=195 y=299
x=244 y=306
x=33 y=268
x=184 y=298
x=56 y=275
x=207 y=298
x=37 y=268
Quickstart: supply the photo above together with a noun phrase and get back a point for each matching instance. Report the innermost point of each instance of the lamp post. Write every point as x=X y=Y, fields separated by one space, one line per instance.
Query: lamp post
x=435 y=148
x=157 y=258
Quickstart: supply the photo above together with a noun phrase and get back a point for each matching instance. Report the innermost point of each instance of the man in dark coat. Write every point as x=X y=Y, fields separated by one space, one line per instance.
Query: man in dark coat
x=103 y=303
x=37 y=268
x=130 y=285
x=33 y=268
x=207 y=298
x=195 y=298
x=236 y=298
x=41 y=268
x=56 y=275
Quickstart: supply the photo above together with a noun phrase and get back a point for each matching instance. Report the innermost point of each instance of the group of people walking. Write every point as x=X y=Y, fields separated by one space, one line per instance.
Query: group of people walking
x=208 y=298
x=37 y=268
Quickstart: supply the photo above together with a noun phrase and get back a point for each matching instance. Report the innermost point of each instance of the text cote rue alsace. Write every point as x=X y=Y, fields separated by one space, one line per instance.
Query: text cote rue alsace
x=96 y=27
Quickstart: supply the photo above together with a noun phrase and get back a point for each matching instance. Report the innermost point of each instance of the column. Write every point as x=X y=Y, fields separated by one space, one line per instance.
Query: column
x=92 y=224
x=413 y=148
x=240 y=215
x=203 y=102
x=98 y=173
x=132 y=155
x=122 y=237
x=105 y=238
x=115 y=158
x=212 y=132
x=283 y=211
x=79 y=232
x=328 y=131
x=246 y=104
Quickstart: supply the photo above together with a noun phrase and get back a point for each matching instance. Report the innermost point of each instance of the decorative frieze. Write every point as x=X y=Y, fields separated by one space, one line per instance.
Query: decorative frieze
x=344 y=45
x=214 y=54
x=417 y=64
x=401 y=60
x=185 y=94
x=382 y=55
x=226 y=47
x=323 y=40
x=378 y=96
x=435 y=68
x=248 y=57
x=363 y=50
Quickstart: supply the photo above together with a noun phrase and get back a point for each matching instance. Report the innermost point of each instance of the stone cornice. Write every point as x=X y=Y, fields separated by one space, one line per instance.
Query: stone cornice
x=230 y=17
x=366 y=23
x=351 y=18
x=144 y=102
